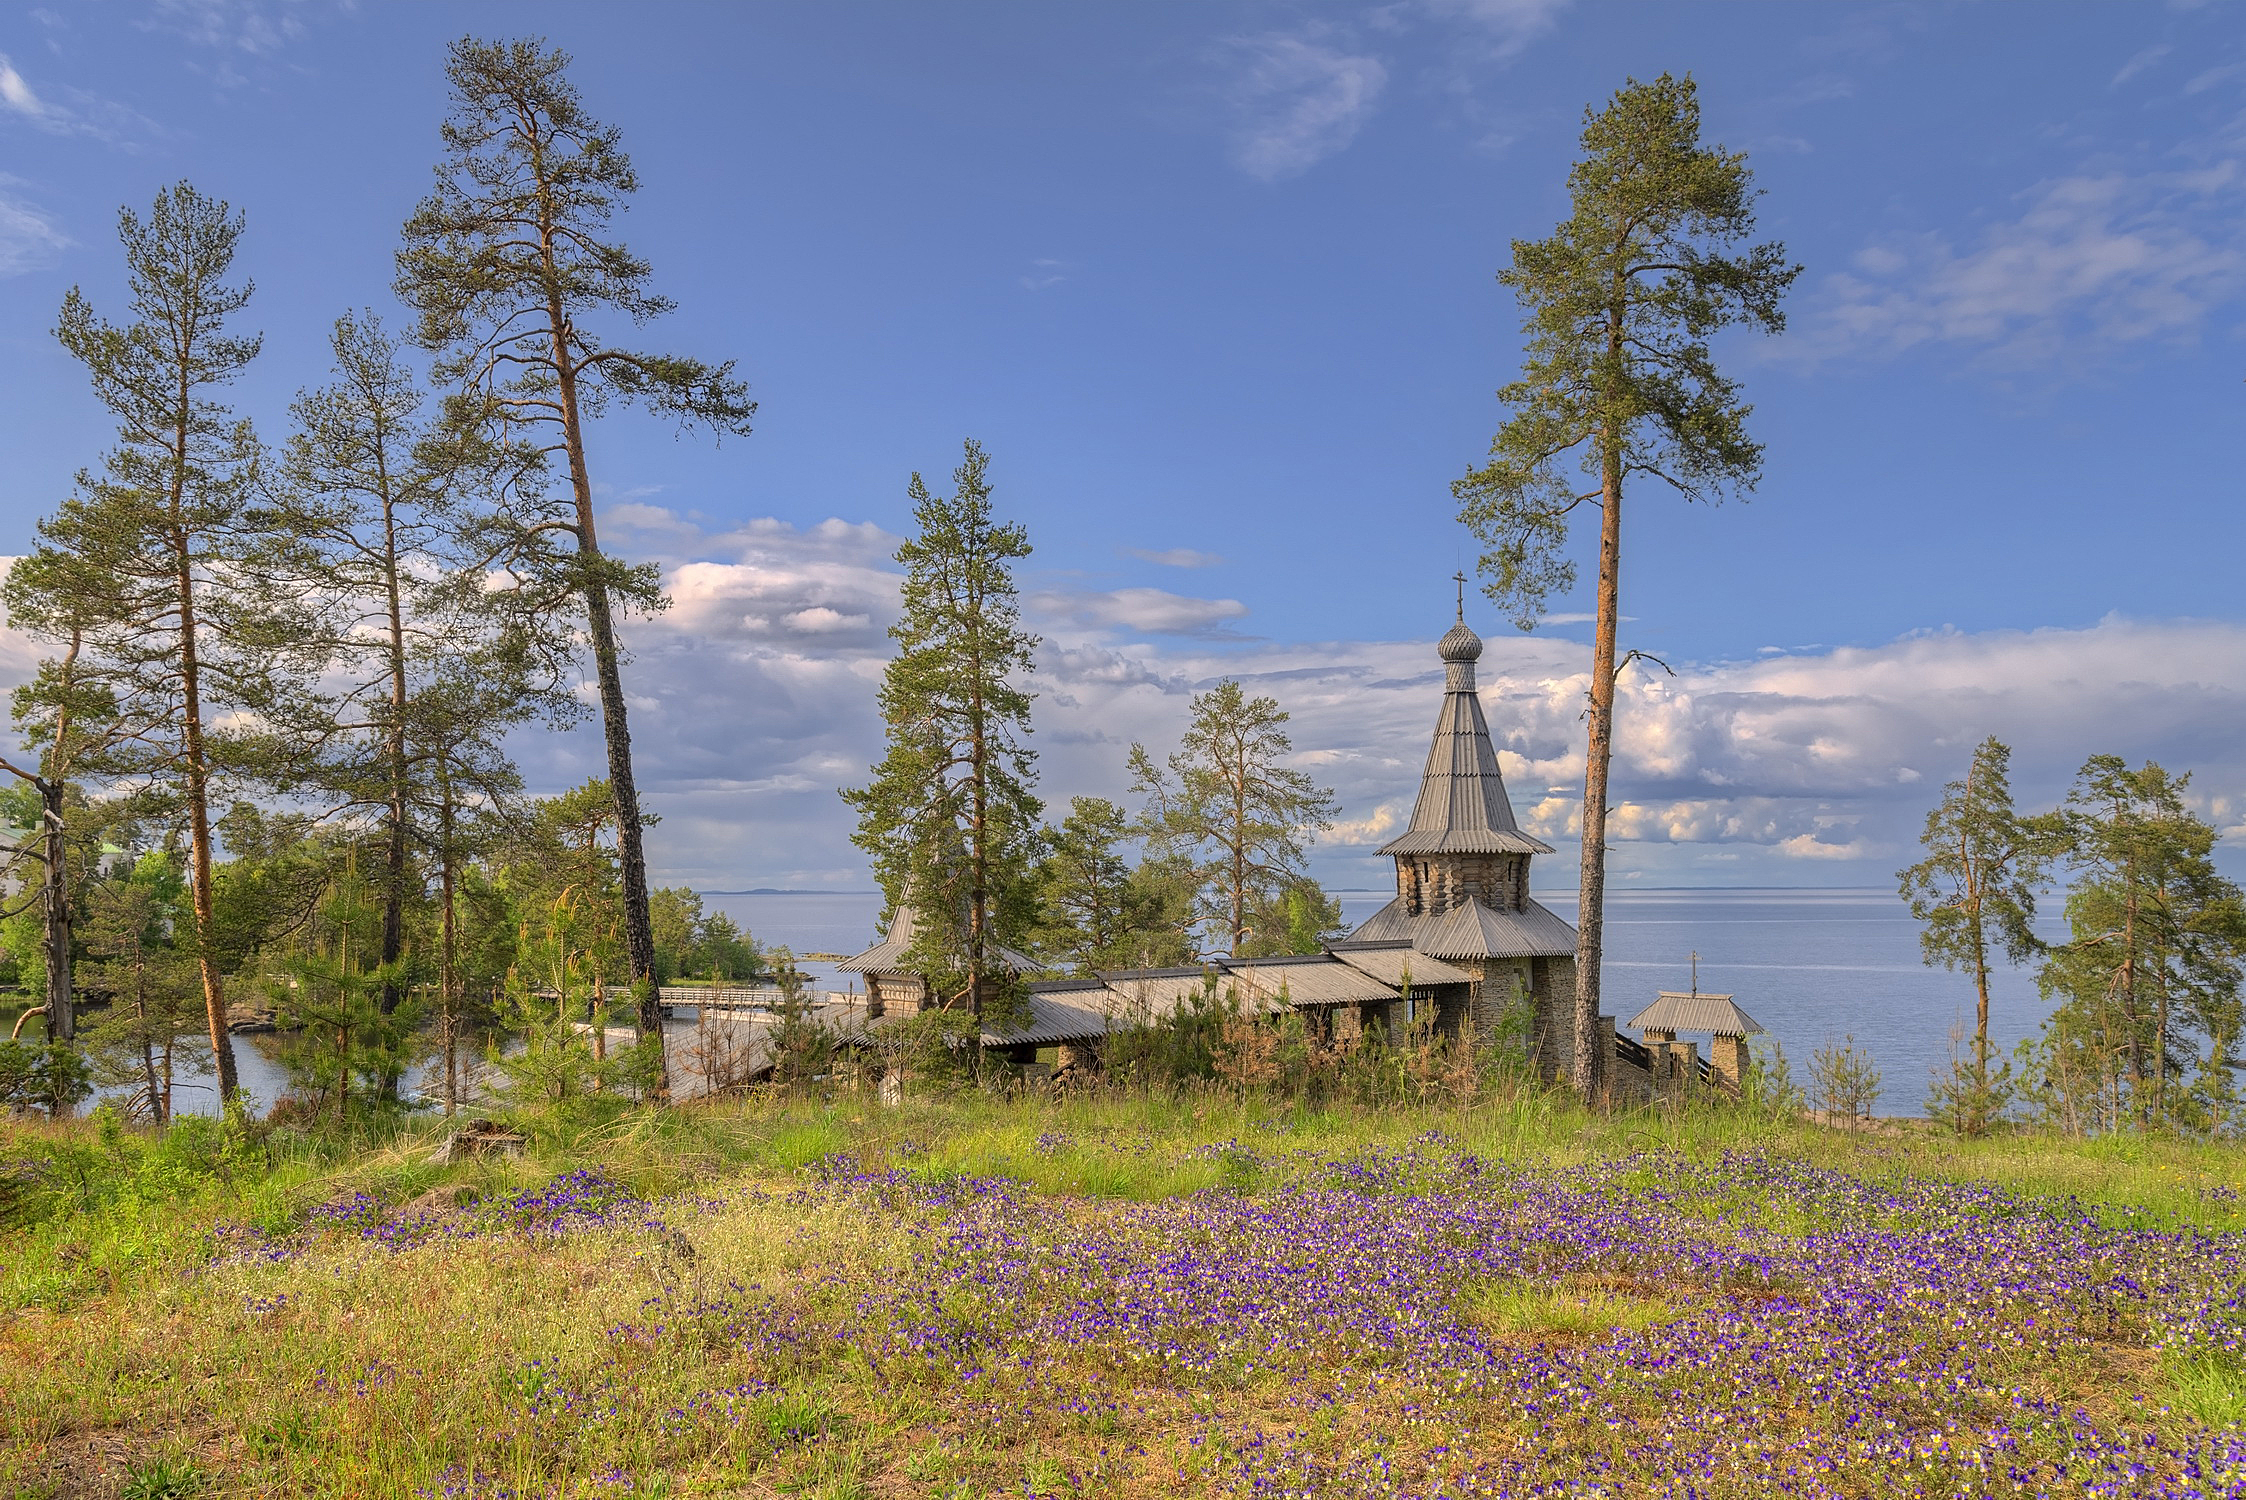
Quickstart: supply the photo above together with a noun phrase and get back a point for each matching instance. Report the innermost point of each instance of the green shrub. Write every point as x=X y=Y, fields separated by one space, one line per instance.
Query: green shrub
x=46 y=1076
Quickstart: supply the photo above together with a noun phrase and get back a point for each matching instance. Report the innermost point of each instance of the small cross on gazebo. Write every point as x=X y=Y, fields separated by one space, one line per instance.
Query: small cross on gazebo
x=1673 y=1011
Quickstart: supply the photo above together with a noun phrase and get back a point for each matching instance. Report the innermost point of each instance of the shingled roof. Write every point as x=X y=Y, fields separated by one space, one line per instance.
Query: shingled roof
x=1396 y=962
x=1075 y=1010
x=888 y=955
x=1676 y=1011
x=1473 y=930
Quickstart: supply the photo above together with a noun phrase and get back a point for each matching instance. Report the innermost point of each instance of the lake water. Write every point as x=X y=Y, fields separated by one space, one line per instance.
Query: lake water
x=1808 y=964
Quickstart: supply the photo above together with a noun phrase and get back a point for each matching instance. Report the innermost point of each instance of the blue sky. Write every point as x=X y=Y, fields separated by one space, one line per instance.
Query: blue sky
x=1214 y=284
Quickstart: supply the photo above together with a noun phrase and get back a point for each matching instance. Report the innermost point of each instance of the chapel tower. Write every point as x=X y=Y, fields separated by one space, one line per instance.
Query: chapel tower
x=1462 y=867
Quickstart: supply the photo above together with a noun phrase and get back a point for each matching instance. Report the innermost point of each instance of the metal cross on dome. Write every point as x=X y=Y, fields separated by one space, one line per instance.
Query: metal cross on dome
x=1460 y=575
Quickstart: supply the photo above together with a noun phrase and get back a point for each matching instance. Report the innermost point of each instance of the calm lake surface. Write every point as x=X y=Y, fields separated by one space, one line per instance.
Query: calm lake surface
x=1807 y=964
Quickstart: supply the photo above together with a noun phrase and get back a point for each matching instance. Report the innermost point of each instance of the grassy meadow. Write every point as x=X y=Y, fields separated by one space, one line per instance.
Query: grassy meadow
x=1119 y=1296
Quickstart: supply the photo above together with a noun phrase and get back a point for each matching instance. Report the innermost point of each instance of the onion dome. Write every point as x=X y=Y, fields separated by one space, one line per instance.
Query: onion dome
x=1460 y=643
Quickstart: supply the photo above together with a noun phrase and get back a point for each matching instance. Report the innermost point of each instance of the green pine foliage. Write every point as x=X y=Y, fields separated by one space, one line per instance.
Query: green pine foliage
x=136 y=963
x=1620 y=383
x=1228 y=808
x=1974 y=894
x=949 y=817
x=2146 y=986
x=1619 y=305
x=691 y=943
x=1098 y=910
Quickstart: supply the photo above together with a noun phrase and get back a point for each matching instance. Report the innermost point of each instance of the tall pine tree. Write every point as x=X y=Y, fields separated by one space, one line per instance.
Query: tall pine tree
x=367 y=518
x=145 y=565
x=1227 y=805
x=2156 y=938
x=1620 y=304
x=1974 y=893
x=949 y=816
x=509 y=265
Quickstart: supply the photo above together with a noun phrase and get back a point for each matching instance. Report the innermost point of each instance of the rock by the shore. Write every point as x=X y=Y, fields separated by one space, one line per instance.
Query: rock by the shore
x=477 y=1138
x=249 y=1020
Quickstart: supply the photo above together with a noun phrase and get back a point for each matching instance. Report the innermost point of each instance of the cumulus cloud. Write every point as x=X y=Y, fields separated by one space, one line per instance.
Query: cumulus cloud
x=1810 y=767
x=2092 y=261
x=1376 y=827
x=1296 y=100
x=753 y=701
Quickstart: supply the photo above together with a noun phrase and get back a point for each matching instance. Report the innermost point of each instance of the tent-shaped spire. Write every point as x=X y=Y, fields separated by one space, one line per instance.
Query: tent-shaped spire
x=1458 y=897
x=888 y=955
x=1462 y=807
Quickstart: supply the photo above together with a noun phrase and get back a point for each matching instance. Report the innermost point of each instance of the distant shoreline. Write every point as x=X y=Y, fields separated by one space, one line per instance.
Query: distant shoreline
x=763 y=890
x=1367 y=890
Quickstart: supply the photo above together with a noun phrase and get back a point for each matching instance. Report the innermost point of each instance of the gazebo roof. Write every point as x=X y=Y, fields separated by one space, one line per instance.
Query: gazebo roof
x=1675 y=1011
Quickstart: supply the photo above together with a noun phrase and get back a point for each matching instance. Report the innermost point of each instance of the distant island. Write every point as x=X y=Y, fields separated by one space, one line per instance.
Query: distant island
x=765 y=890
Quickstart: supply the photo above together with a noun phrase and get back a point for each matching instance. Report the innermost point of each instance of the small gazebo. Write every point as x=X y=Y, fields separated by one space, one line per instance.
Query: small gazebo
x=1673 y=1011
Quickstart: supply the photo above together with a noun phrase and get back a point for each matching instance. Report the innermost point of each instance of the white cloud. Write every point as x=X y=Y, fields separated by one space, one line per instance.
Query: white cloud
x=1297 y=101
x=2092 y=262
x=62 y=110
x=28 y=235
x=1176 y=557
x=1155 y=611
x=1376 y=828
x=16 y=94
x=2140 y=63
x=1809 y=846
x=821 y=620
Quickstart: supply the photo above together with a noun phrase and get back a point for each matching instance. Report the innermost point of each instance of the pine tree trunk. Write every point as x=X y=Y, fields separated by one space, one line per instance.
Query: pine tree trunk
x=199 y=838
x=2129 y=1015
x=448 y=981
x=1976 y=881
x=1980 y=1024
x=62 y=1021
x=148 y=1055
x=978 y=898
x=394 y=857
x=62 y=1015
x=639 y=928
x=2160 y=1057
x=1590 y=920
x=1239 y=847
